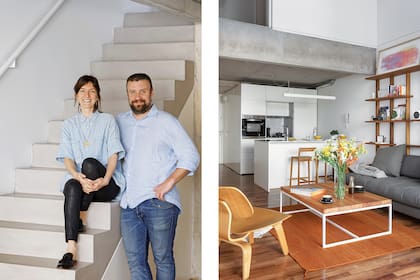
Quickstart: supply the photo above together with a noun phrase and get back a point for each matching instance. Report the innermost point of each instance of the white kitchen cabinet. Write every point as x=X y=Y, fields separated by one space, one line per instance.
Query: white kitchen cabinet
x=275 y=94
x=276 y=108
x=253 y=99
x=247 y=156
x=304 y=119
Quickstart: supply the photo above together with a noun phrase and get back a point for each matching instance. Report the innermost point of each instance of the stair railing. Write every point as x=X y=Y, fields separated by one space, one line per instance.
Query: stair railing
x=25 y=42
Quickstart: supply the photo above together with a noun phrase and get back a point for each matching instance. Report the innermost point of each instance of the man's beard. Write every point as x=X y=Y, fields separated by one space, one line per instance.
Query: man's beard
x=138 y=110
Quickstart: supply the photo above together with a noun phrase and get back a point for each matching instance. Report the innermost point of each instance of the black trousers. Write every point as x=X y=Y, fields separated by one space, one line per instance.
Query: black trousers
x=75 y=200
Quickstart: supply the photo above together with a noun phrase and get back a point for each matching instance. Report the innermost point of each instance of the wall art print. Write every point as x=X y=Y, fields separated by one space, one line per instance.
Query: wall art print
x=398 y=57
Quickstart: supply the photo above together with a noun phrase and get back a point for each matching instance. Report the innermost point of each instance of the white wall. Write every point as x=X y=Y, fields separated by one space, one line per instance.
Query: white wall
x=33 y=93
x=351 y=92
x=12 y=28
x=398 y=21
x=353 y=22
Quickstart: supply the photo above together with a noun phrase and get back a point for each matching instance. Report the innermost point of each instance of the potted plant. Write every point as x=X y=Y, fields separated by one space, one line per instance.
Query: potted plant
x=334 y=133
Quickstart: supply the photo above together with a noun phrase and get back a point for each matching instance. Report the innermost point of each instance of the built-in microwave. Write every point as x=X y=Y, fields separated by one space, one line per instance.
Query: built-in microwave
x=253 y=125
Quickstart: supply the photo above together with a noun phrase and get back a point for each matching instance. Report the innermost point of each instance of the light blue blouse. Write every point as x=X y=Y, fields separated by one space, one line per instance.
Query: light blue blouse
x=98 y=137
x=156 y=145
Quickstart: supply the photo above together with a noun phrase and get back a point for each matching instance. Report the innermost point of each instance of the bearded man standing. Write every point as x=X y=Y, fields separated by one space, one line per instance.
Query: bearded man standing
x=159 y=153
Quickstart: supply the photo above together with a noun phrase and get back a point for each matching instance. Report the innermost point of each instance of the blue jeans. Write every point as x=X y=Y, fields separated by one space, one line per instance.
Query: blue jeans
x=151 y=221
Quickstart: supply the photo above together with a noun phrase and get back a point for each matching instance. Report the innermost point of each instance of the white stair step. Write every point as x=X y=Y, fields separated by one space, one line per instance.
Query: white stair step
x=155 y=19
x=157 y=70
x=43 y=241
x=115 y=89
x=54 y=131
x=48 y=210
x=154 y=34
x=43 y=155
x=16 y=267
x=152 y=51
x=39 y=180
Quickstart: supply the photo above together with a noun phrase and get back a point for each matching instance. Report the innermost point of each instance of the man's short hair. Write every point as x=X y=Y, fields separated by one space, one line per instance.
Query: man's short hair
x=139 y=77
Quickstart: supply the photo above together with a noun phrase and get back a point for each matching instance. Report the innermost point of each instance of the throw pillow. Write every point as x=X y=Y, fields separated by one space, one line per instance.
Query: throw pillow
x=410 y=167
x=390 y=159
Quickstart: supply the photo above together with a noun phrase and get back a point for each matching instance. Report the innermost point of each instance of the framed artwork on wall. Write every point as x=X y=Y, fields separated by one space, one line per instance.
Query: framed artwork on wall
x=398 y=57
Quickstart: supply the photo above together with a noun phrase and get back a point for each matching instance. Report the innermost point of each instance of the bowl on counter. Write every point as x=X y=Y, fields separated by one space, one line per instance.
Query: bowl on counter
x=317 y=137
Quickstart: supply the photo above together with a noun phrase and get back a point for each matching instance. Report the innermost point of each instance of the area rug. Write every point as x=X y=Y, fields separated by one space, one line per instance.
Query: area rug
x=303 y=234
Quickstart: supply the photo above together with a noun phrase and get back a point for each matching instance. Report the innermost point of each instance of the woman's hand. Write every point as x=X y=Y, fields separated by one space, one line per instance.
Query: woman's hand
x=99 y=183
x=87 y=184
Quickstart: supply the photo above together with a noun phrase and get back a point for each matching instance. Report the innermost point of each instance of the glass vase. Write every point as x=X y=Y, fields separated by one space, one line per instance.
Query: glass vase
x=340 y=182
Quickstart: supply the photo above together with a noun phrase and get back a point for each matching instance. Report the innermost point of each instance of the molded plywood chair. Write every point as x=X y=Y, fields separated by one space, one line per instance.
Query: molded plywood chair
x=225 y=234
x=247 y=219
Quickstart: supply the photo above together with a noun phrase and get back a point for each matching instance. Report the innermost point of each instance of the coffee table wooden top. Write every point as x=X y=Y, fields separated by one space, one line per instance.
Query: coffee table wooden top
x=350 y=201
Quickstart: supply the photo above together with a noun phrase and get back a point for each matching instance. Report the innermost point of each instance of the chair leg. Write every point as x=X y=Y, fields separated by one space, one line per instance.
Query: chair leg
x=291 y=171
x=298 y=172
x=246 y=259
x=278 y=232
x=309 y=173
x=251 y=237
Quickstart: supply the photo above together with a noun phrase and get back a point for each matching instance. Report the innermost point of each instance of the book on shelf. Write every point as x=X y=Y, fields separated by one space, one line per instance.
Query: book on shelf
x=307 y=191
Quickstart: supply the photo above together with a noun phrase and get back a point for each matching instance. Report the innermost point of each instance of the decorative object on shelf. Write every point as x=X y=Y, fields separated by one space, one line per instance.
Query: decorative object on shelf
x=383 y=113
x=399 y=57
x=396 y=90
x=416 y=114
x=339 y=154
x=398 y=113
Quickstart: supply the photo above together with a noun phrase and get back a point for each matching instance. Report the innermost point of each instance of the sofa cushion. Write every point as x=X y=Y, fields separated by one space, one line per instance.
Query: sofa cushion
x=411 y=167
x=404 y=190
x=389 y=159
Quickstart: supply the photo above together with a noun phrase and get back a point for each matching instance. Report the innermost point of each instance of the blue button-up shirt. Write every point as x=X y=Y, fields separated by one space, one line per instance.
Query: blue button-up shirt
x=98 y=137
x=156 y=145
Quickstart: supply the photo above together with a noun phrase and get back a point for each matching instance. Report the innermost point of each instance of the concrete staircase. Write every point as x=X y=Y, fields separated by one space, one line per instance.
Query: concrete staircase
x=31 y=219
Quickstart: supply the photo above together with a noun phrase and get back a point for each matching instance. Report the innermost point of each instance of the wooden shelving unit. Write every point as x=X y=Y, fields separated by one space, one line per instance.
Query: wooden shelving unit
x=408 y=120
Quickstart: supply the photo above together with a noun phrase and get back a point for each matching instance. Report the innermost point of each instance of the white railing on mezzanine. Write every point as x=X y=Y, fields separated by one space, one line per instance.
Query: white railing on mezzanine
x=28 y=38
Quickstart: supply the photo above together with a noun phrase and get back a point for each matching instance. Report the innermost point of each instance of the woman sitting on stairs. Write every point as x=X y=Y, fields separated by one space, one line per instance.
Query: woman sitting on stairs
x=91 y=151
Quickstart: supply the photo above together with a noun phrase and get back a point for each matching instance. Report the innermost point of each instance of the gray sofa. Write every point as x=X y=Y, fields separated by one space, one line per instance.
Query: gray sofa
x=403 y=182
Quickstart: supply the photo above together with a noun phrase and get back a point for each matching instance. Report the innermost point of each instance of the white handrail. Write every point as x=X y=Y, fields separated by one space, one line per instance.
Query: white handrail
x=30 y=37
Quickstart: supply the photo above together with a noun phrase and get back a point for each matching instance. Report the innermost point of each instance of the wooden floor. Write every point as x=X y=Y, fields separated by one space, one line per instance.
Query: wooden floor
x=269 y=263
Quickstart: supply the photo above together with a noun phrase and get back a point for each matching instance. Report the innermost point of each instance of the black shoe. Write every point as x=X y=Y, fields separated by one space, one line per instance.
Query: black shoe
x=82 y=227
x=67 y=261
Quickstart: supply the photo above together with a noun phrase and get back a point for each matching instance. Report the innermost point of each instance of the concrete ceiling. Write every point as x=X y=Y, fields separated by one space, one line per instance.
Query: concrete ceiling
x=257 y=54
x=233 y=71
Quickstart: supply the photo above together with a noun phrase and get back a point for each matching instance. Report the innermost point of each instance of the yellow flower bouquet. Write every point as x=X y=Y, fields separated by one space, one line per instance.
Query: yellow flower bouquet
x=340 y=154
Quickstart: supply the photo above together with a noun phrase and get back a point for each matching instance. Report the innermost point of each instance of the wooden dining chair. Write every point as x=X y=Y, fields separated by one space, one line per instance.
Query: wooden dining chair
x=225 y=235
x=247 y=219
